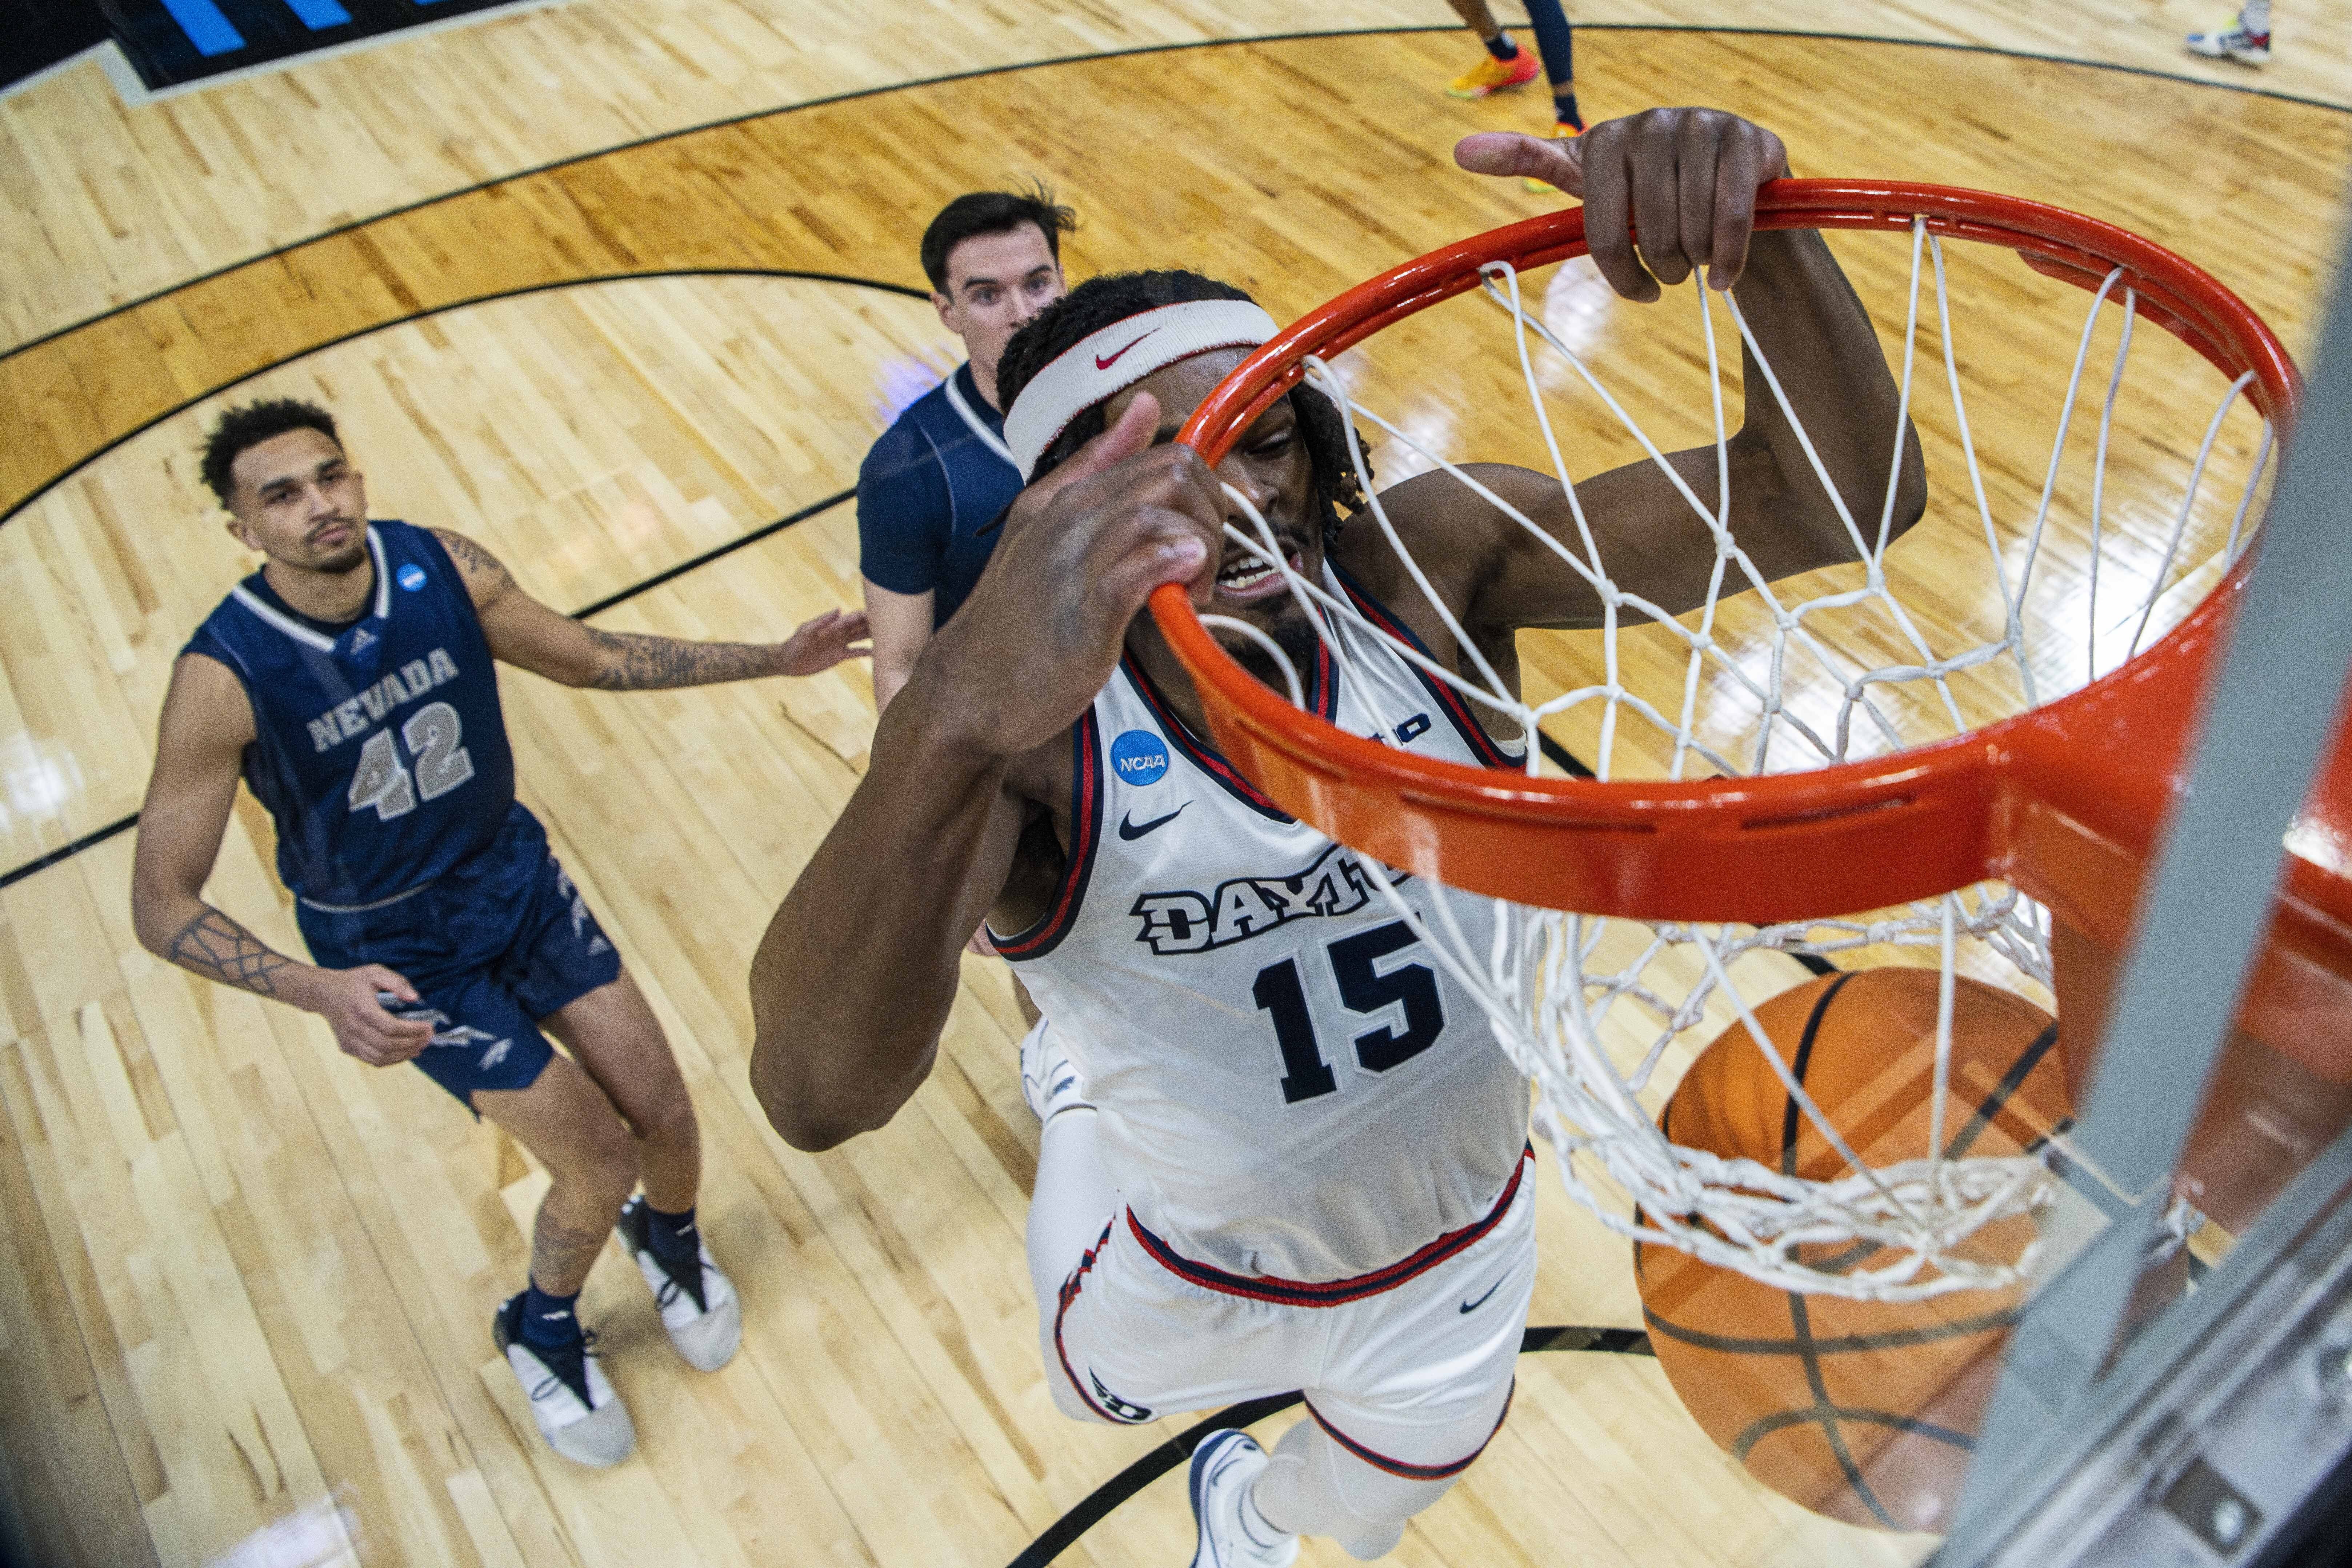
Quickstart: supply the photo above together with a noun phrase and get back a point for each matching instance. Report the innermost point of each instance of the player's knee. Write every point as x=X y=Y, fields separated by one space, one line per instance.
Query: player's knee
x=603 y=1157
x=668 y=1114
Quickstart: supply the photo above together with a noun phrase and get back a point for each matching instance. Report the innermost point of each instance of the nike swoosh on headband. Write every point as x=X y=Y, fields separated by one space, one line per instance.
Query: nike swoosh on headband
x=1102 y=364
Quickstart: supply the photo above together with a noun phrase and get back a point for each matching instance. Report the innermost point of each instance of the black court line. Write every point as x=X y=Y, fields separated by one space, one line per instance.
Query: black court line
x=122 y=825
x=1064 y=1532
x=2247 y=89
x=79 y=464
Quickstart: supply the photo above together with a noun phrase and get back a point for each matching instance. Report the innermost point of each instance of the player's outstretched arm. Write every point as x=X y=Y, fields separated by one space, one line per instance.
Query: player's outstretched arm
x=858 y=968
x=207 y=725
x=522 y=631
x=1685 y=181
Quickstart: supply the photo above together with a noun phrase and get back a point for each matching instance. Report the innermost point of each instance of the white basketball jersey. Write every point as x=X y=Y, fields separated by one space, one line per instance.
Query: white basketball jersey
x=1289 y=1084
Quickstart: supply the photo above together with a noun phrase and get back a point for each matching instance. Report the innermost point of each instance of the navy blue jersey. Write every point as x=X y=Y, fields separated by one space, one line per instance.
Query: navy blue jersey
x=927 y=489
x=380 y=746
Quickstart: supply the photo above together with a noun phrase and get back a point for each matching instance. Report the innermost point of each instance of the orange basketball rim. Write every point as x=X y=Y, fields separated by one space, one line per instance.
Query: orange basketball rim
x=2064 y=800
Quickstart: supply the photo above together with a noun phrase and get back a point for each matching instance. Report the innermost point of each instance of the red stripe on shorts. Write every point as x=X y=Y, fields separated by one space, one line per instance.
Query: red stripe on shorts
x=1413 y=1473
x=1331 y=1292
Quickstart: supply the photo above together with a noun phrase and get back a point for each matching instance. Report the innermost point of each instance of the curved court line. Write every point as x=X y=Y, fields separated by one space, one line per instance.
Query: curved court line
x=62 y=475
x=2247 y=89
x=1099 y=1504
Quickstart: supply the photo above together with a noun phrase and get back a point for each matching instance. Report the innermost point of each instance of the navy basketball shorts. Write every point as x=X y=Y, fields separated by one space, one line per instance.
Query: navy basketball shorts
x=493 y=947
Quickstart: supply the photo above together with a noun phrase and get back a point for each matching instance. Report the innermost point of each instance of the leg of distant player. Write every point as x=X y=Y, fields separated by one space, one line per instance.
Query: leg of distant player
x=1506 y=64
x=564 y=1119
x=568 y=1125
x=613 y=1032
x=1556 y=42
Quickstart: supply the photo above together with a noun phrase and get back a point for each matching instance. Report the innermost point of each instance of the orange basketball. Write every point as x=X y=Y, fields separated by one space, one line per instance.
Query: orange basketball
x=1861 y=1410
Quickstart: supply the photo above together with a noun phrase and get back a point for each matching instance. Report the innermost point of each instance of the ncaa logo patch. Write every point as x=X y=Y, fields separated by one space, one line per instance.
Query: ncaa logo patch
x=1139 y=757
x=411 y=576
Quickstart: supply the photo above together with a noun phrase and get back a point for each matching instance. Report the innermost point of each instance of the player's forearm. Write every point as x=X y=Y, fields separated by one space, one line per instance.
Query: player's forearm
x=1822 y=348
x=202 y=941
x=891 y=674
x=858 y=969
x=636 y=661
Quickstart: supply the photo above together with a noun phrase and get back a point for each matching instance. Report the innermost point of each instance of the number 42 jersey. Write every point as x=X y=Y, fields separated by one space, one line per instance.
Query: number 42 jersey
x=1290 y=1085
x=380 y=747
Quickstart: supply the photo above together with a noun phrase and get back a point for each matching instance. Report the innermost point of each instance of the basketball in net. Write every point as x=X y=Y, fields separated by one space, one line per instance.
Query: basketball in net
x=1951 y=756
x=1863 y=1410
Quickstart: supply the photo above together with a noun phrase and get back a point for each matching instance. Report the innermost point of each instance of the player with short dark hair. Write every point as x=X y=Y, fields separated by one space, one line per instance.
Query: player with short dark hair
x=1280 y=1148
x=930 y=488
x=349 y=682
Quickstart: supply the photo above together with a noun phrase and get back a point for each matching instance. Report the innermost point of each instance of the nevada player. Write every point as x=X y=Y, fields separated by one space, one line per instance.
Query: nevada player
x=349 y=682
x=1280 y=1148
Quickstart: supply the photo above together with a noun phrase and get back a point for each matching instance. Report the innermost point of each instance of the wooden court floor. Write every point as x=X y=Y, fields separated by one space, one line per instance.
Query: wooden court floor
x=245 y=1283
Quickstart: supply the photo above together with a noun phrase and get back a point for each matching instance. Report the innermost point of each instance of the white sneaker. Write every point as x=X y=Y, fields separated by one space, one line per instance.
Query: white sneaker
x=577 y=1410
x=1050 y=1081
x=1232 y=1536
x=703 y=1315
x=2232 y=43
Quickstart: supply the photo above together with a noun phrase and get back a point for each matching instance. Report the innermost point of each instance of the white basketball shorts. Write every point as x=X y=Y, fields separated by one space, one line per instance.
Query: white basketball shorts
x=1408 y=1368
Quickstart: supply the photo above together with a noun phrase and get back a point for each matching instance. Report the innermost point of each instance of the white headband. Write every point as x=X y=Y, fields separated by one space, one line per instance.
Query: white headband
x=1107 y=363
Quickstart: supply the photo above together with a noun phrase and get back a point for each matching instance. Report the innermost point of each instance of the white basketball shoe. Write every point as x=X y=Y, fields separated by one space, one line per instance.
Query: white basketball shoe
x=1233 y=1534
x=2233 y=42
x=1050 y=1081
x=577 y=1410
x=701 y=1312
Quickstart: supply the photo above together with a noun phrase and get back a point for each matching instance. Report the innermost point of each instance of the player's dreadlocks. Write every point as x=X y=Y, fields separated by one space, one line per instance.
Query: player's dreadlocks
x=1100 y=301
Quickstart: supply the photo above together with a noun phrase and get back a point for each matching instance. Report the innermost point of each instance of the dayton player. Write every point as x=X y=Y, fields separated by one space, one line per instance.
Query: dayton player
x=1280 y=1147
x=349 y=681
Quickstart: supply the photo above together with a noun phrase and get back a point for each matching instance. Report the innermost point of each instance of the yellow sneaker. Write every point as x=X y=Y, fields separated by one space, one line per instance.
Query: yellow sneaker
x=1561 y=130
x=1491 y=75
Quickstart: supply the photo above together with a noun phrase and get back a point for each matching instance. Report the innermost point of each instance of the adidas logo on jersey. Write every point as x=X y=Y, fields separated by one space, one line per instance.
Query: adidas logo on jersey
x=1244 y=907
x=354 y=715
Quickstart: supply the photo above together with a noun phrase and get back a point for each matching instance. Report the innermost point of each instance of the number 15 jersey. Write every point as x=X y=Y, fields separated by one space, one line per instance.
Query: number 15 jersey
x=1290 y=1086
x=380 y=747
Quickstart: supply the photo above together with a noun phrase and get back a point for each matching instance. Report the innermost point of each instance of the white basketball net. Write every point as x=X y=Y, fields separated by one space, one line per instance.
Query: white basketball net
x=1588 y=1007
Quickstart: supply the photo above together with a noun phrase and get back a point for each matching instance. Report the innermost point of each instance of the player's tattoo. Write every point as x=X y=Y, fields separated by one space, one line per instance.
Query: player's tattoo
x=638 y=662
x=472 y=559
x=217 y=948
x=560 y=1255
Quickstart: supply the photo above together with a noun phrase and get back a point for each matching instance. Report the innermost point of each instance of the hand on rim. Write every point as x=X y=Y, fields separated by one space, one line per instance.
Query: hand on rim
x=1684 y=179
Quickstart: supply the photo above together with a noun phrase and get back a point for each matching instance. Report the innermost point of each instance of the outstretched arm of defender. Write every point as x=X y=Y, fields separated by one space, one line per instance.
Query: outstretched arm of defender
x=858 y=968
x=207 y=725
x=524 y=632
x=1685 y=181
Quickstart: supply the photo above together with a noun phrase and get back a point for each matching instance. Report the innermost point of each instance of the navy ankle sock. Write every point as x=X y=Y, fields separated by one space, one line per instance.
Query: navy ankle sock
x=1501 y=46
x=549 y=1321
x=1563 y=108
x=674 y=1238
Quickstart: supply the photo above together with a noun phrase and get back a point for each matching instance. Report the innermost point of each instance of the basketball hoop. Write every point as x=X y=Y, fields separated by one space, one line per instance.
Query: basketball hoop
x=2021 y=838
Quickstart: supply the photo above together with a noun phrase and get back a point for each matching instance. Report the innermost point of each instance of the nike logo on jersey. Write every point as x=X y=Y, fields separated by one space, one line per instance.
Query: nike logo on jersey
x=354 y=715
x=1130 y=828
x=1102 y=364
x=1474 y=1306
x=1333 y=884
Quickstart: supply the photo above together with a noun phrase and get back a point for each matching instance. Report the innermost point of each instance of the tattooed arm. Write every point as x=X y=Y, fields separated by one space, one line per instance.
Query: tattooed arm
x=207 y=725
x=522 y=631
